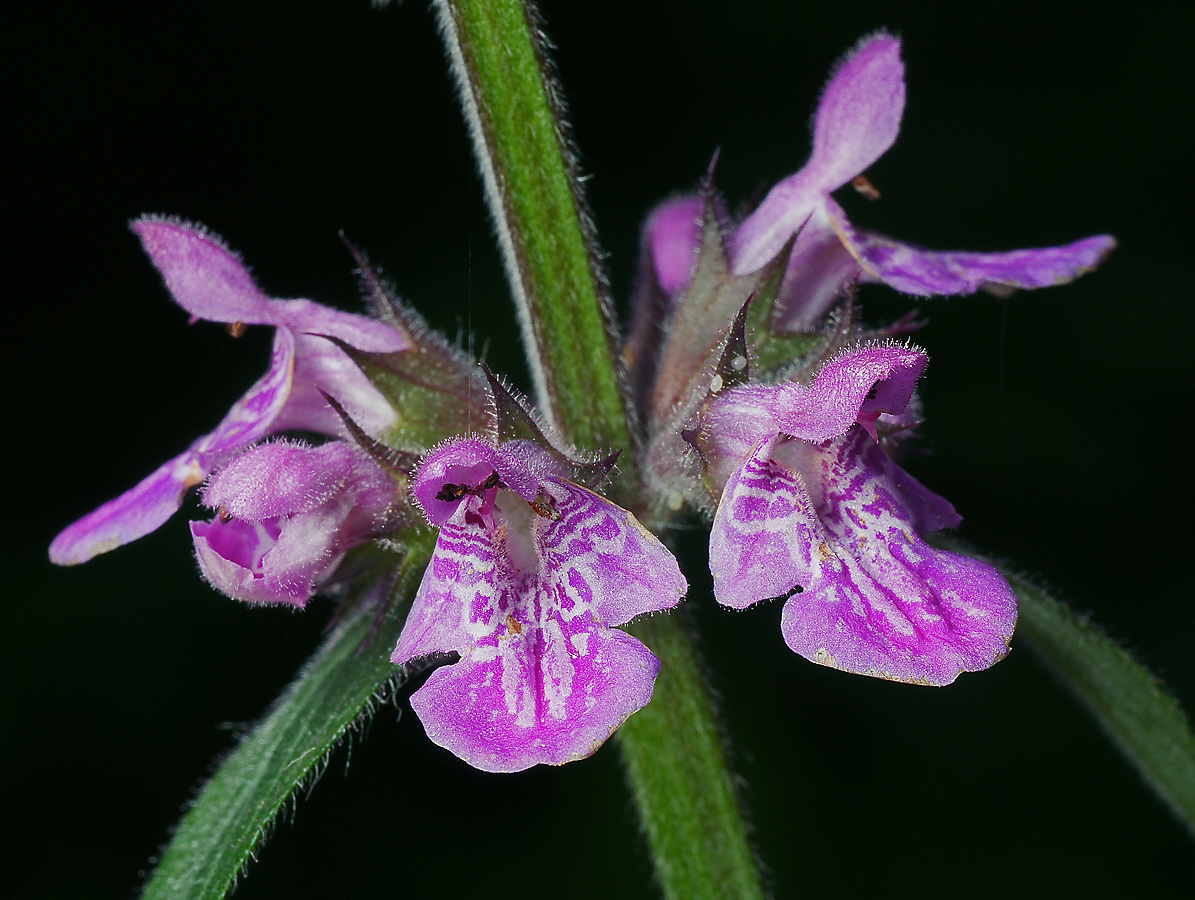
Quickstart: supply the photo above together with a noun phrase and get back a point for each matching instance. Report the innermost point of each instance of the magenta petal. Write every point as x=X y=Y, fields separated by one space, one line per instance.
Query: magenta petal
x=604 y=560
x=915 y=270
x=546 y=695
x=673 y=234
x=133 y=514
x=764 y=532
x=784 y=211
x=209 y=281
x=525 y=597
x=253 y=416
x=361 y=332
x=232 y=555
x=288 y=514
x=882 y=601
x=819 y=271
x=856 y=385
x=928 y=512
x=857 y=121
x=137 y=512
x=322 y=366
x=206 y=278
x=467 y=462
x=279 y=479
x=859 y=115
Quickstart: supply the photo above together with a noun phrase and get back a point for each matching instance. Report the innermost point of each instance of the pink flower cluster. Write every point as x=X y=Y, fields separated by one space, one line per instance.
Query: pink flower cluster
x=533 y=571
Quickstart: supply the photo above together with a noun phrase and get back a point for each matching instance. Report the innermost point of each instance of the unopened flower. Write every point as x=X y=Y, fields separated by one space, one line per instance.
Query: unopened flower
x=210 y=282
x=530 y=574
x=814 y=511
x=287 y=513
x=857 y=120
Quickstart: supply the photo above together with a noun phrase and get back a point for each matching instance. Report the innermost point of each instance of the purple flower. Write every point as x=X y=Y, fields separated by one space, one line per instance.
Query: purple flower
x=813 y=510
x=857 y=120
x=529 y=573
x=210 y=282
x=287 y=515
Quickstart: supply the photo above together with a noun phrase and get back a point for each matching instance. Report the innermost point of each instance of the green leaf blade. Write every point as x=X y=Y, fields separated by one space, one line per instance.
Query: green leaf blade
x=234 y=811
x=1145 y=722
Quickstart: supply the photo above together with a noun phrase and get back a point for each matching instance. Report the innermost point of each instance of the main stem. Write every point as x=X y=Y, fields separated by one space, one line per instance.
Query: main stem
x=672 y=749
x=529 y=168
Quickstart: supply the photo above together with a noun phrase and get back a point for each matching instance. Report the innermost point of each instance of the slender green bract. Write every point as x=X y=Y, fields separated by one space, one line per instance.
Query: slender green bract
x=230 y=818
x=1140 y=717
x=523 y=151
x=672 y=748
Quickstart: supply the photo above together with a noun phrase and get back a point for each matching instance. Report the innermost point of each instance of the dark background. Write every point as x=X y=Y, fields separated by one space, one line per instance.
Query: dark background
x=1055 y=425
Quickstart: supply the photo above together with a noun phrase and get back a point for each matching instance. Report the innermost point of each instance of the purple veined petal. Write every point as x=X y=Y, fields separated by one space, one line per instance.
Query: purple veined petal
x=541 y=679
x=857 y=121
x=764 y=532
x=882 y=601
x=543 y=695
x=206 y=278
x=456 y=603
x=673 y=235
x=321 y=365
x=604 y=560
x=362 y=332
x=133 y=514
x=279 y=479
x=915 y=270
x=254 y=416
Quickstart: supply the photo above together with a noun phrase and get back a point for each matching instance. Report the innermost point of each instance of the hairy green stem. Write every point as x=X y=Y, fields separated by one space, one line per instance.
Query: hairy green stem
x=685 y=791
x=673 y=748
x=515 y=115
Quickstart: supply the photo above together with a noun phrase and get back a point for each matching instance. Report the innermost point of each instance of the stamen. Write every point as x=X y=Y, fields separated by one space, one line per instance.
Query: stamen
x=865 y=187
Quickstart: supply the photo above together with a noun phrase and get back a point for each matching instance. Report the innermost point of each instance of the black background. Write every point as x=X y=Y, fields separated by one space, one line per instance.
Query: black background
x=1056 y=425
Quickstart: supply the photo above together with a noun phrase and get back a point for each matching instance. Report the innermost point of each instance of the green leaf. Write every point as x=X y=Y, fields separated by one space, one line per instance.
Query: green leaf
x=337 y=687
x=1144 y=721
